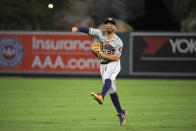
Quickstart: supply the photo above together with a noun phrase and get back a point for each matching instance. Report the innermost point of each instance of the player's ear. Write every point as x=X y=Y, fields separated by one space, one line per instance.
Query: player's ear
x=115 y=27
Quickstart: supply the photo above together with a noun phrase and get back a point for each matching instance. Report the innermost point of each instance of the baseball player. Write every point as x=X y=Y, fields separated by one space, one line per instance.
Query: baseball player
x=109 y=62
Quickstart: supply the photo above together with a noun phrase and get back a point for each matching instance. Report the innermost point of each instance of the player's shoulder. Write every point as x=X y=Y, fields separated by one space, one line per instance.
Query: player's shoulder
x=119 y=40
x=96 y=31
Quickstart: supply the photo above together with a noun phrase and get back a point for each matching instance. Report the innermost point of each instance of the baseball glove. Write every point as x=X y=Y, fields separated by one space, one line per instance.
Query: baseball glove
x=97 y=49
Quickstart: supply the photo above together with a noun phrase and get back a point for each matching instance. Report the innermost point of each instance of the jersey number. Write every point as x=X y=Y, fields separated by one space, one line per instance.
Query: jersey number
x=109 y=52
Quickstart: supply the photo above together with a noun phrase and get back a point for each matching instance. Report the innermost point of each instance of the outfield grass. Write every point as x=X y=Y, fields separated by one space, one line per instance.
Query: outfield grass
x=65 y=104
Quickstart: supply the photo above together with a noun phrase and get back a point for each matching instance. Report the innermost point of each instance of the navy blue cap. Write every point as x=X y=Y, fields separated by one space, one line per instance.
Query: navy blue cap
x=110 y=20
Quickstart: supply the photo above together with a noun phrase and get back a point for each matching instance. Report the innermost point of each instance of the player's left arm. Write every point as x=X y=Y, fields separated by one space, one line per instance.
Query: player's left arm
x=112 y=57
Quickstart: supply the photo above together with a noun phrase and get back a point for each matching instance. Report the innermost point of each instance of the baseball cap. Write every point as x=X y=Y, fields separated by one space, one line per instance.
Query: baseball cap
x=111 y=20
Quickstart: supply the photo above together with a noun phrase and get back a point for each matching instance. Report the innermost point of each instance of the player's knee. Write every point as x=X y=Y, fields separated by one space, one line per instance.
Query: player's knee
x=112 y=92
x=107 y=82
x=109 y=78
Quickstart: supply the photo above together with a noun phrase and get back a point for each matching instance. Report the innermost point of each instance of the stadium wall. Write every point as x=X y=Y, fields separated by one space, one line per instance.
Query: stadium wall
x=149 y=54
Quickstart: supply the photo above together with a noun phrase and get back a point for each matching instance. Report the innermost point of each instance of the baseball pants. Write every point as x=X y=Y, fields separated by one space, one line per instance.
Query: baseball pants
x=110 y=71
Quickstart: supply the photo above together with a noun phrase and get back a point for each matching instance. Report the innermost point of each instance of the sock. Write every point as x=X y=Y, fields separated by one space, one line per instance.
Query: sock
x=106 y=87
x=116 y=102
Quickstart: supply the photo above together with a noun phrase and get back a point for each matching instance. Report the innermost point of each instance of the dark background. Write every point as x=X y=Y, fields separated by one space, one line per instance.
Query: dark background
x=157 y=18
x=142 y=15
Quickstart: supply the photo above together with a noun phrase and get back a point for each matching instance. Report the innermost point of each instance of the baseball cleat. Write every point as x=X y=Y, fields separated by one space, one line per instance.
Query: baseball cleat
x=97 y=97
x=122 y=117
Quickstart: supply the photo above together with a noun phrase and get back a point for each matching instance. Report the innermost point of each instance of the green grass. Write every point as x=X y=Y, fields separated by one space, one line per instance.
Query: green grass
x=64 y=104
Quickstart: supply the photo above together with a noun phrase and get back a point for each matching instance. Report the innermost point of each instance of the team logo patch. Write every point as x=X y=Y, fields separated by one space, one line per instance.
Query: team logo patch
x=11 y=52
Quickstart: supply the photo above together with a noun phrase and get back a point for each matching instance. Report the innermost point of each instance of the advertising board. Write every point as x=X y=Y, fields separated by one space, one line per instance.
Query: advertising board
x=46 y=52
x=163 y=54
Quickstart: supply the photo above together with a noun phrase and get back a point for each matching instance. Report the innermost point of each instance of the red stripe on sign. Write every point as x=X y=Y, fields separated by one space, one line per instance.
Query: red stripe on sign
x=154 y=44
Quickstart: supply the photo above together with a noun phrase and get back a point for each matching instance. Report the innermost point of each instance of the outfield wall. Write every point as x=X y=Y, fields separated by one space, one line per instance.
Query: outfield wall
x=61 y=53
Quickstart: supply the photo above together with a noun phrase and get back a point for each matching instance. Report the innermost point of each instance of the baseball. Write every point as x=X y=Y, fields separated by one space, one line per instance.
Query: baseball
x=50 y=6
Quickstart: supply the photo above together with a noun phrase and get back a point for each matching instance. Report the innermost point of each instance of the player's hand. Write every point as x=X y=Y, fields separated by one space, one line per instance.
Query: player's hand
x=74 y=30
x=100 y=54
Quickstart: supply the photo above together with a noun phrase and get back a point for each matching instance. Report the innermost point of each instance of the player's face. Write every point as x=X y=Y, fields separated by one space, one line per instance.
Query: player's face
x=110 y=28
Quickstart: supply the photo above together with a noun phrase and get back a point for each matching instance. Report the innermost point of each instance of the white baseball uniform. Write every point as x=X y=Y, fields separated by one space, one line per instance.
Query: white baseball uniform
x=109 y=69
